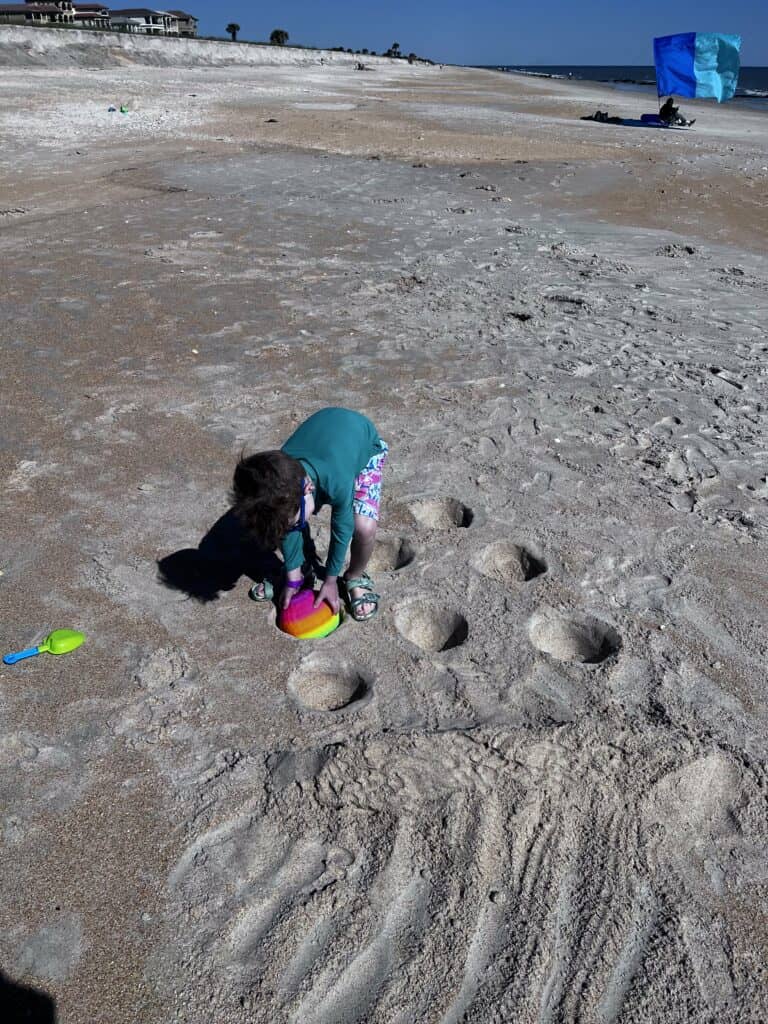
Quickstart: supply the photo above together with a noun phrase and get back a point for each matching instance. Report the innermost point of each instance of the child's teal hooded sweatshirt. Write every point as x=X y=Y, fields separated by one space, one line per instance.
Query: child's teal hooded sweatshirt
x=334 y=446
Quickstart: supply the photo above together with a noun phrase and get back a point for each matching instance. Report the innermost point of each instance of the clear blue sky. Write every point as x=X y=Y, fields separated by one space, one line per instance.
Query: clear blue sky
x=495 y=31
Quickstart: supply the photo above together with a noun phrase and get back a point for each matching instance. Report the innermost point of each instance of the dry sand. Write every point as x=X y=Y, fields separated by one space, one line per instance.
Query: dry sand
x=541 y=796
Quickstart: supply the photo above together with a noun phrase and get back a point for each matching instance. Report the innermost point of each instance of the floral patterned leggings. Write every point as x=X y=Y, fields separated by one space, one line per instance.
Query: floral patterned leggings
x=367 y=497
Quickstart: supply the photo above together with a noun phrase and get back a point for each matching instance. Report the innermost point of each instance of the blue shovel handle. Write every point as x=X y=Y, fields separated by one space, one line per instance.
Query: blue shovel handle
x=11 y=659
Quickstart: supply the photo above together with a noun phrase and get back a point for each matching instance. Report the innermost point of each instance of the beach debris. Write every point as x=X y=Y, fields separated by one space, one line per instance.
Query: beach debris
x=572 y=300
x=123 y=108
x=602 y=117
x=111 y=109
x=409 y=282
x=60 y=641
x=271 y=120
x=673 y=250
x=717 y=372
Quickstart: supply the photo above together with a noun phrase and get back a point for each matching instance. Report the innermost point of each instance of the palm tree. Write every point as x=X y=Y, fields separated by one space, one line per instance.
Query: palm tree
x=279 y=37
x=395 y=48
x=233 y=28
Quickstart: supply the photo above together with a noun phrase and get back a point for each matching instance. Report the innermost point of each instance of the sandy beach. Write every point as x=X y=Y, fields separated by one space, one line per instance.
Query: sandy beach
x=533 y=789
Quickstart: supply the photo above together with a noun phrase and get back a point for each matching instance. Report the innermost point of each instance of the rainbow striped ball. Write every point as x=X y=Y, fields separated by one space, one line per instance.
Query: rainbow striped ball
x=303 y=621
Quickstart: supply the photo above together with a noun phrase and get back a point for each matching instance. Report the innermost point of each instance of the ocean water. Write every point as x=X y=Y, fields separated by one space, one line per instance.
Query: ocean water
x=752 y=88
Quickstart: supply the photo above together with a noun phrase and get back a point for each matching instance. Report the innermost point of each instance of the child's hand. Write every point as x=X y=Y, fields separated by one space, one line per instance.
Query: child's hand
x=329 y=592
x=293 y=584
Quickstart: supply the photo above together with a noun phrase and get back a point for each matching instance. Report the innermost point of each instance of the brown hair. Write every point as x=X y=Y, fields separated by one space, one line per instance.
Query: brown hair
x=266 y=494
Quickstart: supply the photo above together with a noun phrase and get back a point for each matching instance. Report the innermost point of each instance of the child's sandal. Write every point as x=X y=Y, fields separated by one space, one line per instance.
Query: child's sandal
x=363 y=582
x=262 y=590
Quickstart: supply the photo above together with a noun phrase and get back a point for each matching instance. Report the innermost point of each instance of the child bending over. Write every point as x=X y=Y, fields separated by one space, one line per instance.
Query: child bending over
x=335 y=457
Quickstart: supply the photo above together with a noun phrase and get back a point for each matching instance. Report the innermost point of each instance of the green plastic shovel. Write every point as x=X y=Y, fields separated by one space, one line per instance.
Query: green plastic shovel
x=60 y=641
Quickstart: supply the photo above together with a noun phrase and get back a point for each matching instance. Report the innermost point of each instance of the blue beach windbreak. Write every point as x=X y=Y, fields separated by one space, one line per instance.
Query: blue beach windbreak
x=702 y=65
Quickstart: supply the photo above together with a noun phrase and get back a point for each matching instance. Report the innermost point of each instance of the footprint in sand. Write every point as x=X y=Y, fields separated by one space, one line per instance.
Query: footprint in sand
x=162 y=667
x=488 y=447
x=683 y=502
x=704 y=840
x=696 y=801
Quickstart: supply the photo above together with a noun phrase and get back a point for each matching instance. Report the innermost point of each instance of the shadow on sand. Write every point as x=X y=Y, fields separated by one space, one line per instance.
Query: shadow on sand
x=20 y=1004
x=648 y=121
x=225 y=553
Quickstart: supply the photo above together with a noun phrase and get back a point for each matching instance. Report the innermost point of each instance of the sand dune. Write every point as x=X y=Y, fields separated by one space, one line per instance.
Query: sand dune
x=60 y=48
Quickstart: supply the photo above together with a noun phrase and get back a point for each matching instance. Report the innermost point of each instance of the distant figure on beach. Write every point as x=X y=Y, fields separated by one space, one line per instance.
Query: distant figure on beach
x=335 y=458
x=670 y=114
x=669 y=111
x=602 y=117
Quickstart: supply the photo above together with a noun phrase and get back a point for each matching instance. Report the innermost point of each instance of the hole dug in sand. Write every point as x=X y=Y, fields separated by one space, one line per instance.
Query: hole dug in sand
x=509 y=563
x=391 y=554
x=324 y=684
x=431 y=625
x=573 y=638
x=442 y=513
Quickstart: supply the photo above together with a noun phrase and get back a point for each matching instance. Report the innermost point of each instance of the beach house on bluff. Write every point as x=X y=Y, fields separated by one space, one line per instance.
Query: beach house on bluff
x=91 y=15
x=95 y=15
x=145 y=21
x=57 y=12
x=187 y=23
x=149 y=22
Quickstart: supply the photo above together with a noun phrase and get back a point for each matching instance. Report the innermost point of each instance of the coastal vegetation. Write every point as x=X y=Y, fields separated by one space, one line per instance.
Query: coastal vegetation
x=279 y=37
